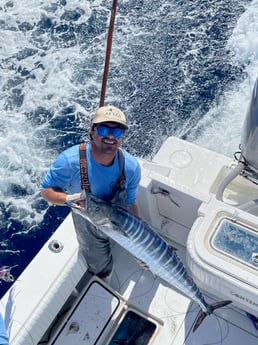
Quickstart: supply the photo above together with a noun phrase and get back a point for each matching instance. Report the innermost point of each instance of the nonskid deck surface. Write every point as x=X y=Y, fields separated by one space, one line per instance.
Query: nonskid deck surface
x=154 y=296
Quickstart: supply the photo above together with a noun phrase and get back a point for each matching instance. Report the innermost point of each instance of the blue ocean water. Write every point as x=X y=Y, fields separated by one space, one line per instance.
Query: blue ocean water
x=182 y=68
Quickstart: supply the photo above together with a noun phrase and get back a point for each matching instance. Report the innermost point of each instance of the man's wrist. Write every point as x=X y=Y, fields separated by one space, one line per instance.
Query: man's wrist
x=72 y=197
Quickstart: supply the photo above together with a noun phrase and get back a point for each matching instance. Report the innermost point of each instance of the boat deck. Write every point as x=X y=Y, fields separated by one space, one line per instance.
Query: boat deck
x=65 y=305
x=172 y=313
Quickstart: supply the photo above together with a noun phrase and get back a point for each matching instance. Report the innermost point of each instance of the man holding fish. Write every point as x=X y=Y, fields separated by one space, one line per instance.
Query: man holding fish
x=99 y=219
x=102 y=168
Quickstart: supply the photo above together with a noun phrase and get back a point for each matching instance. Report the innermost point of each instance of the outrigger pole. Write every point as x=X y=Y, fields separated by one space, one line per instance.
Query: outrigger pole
x=108 y=53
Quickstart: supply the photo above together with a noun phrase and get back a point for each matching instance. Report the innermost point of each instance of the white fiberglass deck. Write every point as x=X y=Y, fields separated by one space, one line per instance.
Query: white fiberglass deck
x=174 y=313
x=226 y=327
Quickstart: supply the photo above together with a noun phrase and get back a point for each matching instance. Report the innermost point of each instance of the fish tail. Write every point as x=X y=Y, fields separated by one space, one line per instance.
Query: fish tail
x=211 y=307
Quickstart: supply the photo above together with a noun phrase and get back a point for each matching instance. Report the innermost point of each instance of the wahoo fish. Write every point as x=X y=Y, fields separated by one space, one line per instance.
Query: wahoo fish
x=135 y=236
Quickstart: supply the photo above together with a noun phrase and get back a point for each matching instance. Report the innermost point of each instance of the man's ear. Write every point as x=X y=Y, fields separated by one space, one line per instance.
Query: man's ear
x=90 y=131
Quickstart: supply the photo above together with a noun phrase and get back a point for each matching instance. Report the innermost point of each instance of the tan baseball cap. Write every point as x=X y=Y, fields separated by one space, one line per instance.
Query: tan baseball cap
x=109 y=113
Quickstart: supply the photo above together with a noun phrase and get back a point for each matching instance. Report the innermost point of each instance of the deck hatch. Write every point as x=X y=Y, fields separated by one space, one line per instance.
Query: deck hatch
x=236 y=241
x=90 y=317
x=134 y=329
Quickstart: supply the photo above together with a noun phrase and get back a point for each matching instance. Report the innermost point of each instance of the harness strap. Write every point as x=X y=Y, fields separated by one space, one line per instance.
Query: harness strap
x=120 y=182
x=83 y=168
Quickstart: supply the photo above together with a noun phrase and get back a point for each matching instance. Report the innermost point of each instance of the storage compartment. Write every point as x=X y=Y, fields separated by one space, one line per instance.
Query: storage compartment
x=101 y=316
x=236 y=241
x=134 y=329
x=89 y=318
x=222 y=254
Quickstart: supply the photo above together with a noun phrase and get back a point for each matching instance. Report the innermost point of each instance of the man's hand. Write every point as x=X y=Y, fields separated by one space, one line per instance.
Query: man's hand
x=76 y=200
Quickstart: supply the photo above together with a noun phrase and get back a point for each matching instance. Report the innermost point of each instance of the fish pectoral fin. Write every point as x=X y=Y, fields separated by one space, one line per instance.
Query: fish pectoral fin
x=117 y=228
x=105 y=223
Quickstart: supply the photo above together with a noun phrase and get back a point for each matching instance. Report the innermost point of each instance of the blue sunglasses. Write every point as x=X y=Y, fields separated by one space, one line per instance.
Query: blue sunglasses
x=105 y=131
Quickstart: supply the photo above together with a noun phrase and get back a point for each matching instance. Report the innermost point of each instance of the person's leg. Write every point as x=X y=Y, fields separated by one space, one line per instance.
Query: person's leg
x=94 y=247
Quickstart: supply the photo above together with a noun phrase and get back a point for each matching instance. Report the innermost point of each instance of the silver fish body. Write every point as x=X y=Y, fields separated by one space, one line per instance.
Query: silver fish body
x=162 y=261
x=146 y=245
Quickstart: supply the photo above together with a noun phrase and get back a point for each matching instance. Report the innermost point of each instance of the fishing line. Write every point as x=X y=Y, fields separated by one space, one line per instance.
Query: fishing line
x=219 y=321
x=138 y=274
x=222 y=338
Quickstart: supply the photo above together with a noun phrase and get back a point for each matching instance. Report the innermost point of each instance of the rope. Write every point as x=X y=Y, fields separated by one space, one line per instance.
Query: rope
x=108 y=53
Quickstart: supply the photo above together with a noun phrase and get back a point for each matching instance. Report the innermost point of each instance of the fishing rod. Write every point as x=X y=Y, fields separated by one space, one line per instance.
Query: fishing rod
x=108 y=53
